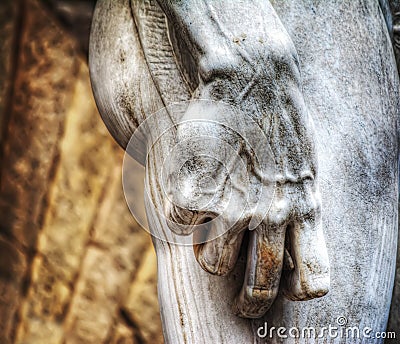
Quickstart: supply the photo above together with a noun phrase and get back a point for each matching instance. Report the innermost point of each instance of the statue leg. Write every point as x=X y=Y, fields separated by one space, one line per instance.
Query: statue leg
x=350 y=86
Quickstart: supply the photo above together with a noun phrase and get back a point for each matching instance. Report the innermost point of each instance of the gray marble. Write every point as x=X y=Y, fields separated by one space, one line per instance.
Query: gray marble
x=320 y=82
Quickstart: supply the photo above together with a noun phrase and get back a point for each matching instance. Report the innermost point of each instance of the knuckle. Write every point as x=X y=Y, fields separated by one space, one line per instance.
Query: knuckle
x=309 y=207
x=279 y=212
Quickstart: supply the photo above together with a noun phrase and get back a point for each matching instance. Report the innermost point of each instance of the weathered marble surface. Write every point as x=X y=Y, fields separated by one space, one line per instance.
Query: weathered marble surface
x=350 y=85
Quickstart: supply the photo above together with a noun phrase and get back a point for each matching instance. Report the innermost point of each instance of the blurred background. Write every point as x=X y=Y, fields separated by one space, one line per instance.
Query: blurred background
x=74 y=265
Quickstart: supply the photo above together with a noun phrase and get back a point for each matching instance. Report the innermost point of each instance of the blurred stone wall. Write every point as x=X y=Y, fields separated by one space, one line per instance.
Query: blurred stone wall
x=74 y=265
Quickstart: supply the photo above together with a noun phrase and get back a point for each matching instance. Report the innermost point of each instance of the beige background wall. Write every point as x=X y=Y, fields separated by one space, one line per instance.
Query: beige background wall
x=74 y=265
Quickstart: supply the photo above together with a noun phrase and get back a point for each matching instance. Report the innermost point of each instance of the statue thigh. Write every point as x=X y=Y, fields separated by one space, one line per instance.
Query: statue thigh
x=350 y=85
x=351 y=88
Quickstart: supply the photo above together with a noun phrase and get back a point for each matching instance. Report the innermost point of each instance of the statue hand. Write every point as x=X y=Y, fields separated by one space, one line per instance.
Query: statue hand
x=227 y=175
x=224 y=174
